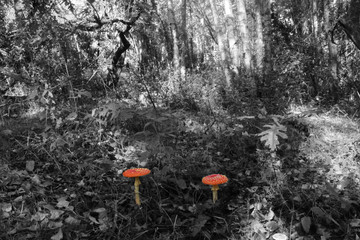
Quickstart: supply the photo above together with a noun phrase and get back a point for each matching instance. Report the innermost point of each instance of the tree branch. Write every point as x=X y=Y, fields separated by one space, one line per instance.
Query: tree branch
x=98 y=23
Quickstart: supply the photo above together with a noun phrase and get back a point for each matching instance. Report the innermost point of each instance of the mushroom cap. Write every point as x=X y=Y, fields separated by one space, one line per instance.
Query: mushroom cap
x=136 y=172
x=214 y=179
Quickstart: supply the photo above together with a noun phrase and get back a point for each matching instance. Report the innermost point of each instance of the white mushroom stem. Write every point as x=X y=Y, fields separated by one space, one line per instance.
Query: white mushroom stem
x=214 y=189
x=137 y=192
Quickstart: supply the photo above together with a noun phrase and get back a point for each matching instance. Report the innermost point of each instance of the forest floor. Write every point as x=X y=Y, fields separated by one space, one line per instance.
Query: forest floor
x=325 y=181
x=65 y=181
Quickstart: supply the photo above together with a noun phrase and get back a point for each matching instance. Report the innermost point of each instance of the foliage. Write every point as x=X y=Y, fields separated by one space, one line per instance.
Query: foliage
x=72 y=187
x=68 y=130
x=270 y=136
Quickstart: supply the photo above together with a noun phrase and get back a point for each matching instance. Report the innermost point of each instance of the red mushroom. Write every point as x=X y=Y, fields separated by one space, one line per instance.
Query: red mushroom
x=136 y=173
x=215 y=180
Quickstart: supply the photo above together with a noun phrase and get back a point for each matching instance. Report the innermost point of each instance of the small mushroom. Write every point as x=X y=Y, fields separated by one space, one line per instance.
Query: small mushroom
x=215 y=180
x=136 y=173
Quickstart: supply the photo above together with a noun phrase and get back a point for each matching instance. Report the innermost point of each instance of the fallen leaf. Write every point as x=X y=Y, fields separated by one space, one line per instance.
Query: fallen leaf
x=279 y=236
x=62 y=203
x=34 y=227
x=199 y=223
x=355 y=223
x=181 y=183
x=26 y=186
x=55 y=225
x=258 y=227
x=7 y=132
x=30 y=165
x=259 y=236
x=35 y=179
x=81 y=183
x=297 y=198
x=89 y=194
x=93 y=219
x=270 y=215
x=272 y=226
x=306 y=223
x=13 y=231
x=18 y=199
x=48 y=207
x=103 y=227
x=72 y=116
x=58 y=236
x=99 y=210
x=6 y=207
x=39 y=216
x=71 y=220
x=318 y=212
x=55 y=214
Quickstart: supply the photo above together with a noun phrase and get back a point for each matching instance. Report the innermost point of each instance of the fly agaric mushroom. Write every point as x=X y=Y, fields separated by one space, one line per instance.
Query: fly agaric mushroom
x=215 y=180
x=136 y=173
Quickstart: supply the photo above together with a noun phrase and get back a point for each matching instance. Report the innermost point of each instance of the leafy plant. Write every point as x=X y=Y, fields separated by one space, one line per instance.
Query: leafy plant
x=272 y=134
x=111 y=112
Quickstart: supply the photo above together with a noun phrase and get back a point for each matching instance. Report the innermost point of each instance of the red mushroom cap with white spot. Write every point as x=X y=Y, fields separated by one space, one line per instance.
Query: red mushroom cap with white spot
x=215 y=179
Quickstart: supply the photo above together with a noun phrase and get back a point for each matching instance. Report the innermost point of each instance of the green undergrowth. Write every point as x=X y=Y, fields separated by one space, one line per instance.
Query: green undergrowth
x=293 y=174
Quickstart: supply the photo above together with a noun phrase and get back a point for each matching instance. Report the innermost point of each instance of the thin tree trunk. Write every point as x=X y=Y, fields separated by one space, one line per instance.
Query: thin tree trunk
x=315 y=51
x=305 y=29
x=191 y=40
x=263 y=42
x=315 y=19
x=221 y=45
x=201 y=42
x=184 y=41
x=332 y=57
x=267 y=36
x=266 y=17
x=176 y=55
x=244 y=35
x=259 y=42
x=333 y=62
x=230 y=25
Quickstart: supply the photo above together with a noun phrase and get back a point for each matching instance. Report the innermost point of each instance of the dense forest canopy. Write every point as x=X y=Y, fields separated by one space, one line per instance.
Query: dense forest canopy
x=259 y=46
x=264 y=92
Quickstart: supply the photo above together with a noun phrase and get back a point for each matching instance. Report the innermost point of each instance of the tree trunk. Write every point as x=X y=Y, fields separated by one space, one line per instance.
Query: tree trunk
x=332 y=55
x=315 y=19
x=174 y=82
x=184 y=41
x=230 y=25
x=315 y=51
x=304 y=22
x=263 y=42
x=244 y=36
x=200 y=42
x=350 y=22
x=191 y=40
x=266 y=17
x=221 y=45
x=259 y=42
